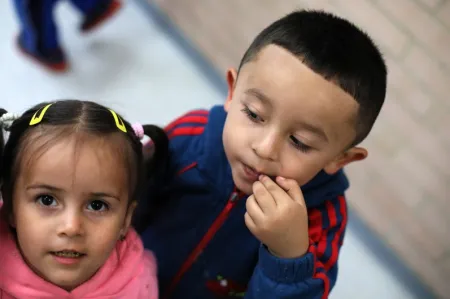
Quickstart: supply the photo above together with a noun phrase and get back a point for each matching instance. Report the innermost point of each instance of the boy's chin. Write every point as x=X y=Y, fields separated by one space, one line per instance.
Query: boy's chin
x=244 y=187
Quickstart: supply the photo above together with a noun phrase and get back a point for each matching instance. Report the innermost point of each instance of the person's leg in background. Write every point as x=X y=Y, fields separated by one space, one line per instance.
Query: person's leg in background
x=38 y=36
x=95 y=12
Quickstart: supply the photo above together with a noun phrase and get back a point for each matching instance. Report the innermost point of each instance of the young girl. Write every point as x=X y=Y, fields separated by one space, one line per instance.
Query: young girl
x=70 y=172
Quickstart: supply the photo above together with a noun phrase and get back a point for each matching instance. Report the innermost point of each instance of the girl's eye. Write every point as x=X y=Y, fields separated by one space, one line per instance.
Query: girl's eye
x=46 y=200
x=300 y=145
x=98 y=206
x=251 y=115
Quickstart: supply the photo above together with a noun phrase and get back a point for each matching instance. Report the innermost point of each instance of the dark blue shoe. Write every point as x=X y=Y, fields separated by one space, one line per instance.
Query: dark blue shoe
x=53 y=60
x=100 y=14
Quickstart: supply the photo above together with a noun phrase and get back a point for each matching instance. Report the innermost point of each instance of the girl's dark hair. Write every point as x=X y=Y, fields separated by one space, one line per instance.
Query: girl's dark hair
x=67 y=117
x=2 y=142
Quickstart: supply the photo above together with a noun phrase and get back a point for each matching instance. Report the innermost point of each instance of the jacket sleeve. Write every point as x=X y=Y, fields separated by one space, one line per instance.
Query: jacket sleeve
x=180 y=133
x=313 y=275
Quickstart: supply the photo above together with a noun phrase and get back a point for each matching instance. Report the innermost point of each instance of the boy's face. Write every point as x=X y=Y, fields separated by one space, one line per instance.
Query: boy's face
x=286 y=120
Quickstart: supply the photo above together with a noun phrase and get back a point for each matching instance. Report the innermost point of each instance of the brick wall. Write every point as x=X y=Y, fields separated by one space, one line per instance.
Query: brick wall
x=402 y=191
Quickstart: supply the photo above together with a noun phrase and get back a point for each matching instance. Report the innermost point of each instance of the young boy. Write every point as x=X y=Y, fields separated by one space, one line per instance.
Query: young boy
x=254 y=202
x=38 y=37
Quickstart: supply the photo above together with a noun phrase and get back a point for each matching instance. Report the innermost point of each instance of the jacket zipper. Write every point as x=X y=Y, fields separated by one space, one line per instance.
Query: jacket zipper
x=217 y=224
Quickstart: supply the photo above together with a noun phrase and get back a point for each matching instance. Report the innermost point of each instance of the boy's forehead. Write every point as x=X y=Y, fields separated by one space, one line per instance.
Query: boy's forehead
x=274 y=64
x=279 y=79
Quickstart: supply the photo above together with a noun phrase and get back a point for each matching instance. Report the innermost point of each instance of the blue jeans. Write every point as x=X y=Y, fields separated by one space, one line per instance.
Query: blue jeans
x=37 y=23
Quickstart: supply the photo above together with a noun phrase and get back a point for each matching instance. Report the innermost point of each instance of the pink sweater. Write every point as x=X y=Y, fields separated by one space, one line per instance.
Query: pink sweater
x=129 y=273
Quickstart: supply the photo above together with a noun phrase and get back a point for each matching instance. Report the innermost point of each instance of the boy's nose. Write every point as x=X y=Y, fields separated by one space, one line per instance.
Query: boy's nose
x=267 y=147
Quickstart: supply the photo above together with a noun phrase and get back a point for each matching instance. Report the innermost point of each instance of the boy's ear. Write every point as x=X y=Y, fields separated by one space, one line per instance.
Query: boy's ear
x=231 y=81
x=351 y=155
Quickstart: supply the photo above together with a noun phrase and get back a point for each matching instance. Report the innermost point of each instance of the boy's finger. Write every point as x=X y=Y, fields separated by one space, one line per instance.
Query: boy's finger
x=249 y=223
x=263 y=197
x=254 y=210
x=291 y=187
x=276 y=191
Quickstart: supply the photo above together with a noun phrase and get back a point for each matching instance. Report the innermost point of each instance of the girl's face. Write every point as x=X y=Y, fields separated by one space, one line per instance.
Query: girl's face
x=70 y=207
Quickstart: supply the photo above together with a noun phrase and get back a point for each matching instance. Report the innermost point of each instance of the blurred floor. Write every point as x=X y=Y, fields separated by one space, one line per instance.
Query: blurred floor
x=127 y=64
x=134 y=67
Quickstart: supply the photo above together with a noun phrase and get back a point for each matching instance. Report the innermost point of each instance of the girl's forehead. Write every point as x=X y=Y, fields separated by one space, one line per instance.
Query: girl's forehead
x=70 y=140
x=86 y=175
x=75 y=156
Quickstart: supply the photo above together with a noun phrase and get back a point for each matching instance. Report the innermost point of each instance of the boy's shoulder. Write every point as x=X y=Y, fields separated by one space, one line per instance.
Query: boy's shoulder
x=324 y=187
x=195 y=133
x=188 y=125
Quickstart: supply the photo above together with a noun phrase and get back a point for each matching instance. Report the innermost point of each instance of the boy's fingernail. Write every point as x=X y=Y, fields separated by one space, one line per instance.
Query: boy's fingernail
x=281 y=178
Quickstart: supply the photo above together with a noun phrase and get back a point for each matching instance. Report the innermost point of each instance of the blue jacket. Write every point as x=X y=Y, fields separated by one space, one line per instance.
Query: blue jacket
x=197 y=232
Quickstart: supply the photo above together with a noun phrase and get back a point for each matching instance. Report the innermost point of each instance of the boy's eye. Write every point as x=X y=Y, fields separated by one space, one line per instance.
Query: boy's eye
x=46 y=200
x=300 y=145
x=251 y=115
x=97 y=206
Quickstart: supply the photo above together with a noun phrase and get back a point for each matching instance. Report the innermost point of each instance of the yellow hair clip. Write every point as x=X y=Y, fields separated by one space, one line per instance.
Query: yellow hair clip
x=38 y=118
x=119 y=122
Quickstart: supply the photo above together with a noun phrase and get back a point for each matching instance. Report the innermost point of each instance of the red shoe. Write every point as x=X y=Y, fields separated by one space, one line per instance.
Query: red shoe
x=53 y=61
x=100 y=15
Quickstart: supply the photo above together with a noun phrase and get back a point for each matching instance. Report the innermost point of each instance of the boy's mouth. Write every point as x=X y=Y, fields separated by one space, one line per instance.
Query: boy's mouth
x=253 y=174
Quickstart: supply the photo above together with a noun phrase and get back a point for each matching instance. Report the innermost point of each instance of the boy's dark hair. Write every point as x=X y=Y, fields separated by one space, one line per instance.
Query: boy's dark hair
x=338 y=51
x=72 y=117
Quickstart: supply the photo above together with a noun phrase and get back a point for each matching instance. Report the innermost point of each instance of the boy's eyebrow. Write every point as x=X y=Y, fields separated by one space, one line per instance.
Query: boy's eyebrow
x=259 y=95
x=266 y=100
x=315 y=130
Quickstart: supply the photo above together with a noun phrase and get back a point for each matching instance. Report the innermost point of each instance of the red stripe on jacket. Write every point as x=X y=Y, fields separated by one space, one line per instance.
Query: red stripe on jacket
x=320 y=241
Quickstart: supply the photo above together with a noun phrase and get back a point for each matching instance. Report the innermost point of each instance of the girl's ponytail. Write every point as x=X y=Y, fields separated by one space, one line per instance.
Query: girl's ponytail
x=2 y=146
x=156 y=160
x=2 y=138
x=160 y=155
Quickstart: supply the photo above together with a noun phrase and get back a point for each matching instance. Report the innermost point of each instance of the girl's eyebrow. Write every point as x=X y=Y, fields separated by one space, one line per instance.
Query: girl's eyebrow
x=44 y=186
x=56 y=189
x=103 y=194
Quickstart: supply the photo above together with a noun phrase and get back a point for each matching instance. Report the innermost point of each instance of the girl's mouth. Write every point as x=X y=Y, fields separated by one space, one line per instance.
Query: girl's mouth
x=68 y=254
x=68 y=257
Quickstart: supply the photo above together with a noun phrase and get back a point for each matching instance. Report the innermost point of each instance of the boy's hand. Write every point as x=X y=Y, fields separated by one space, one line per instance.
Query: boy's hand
x=277 y=216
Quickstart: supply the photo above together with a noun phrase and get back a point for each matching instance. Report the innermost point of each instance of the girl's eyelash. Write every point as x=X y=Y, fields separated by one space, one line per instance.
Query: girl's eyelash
x=49 y=202
x=97 y=201
x=45 y=200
